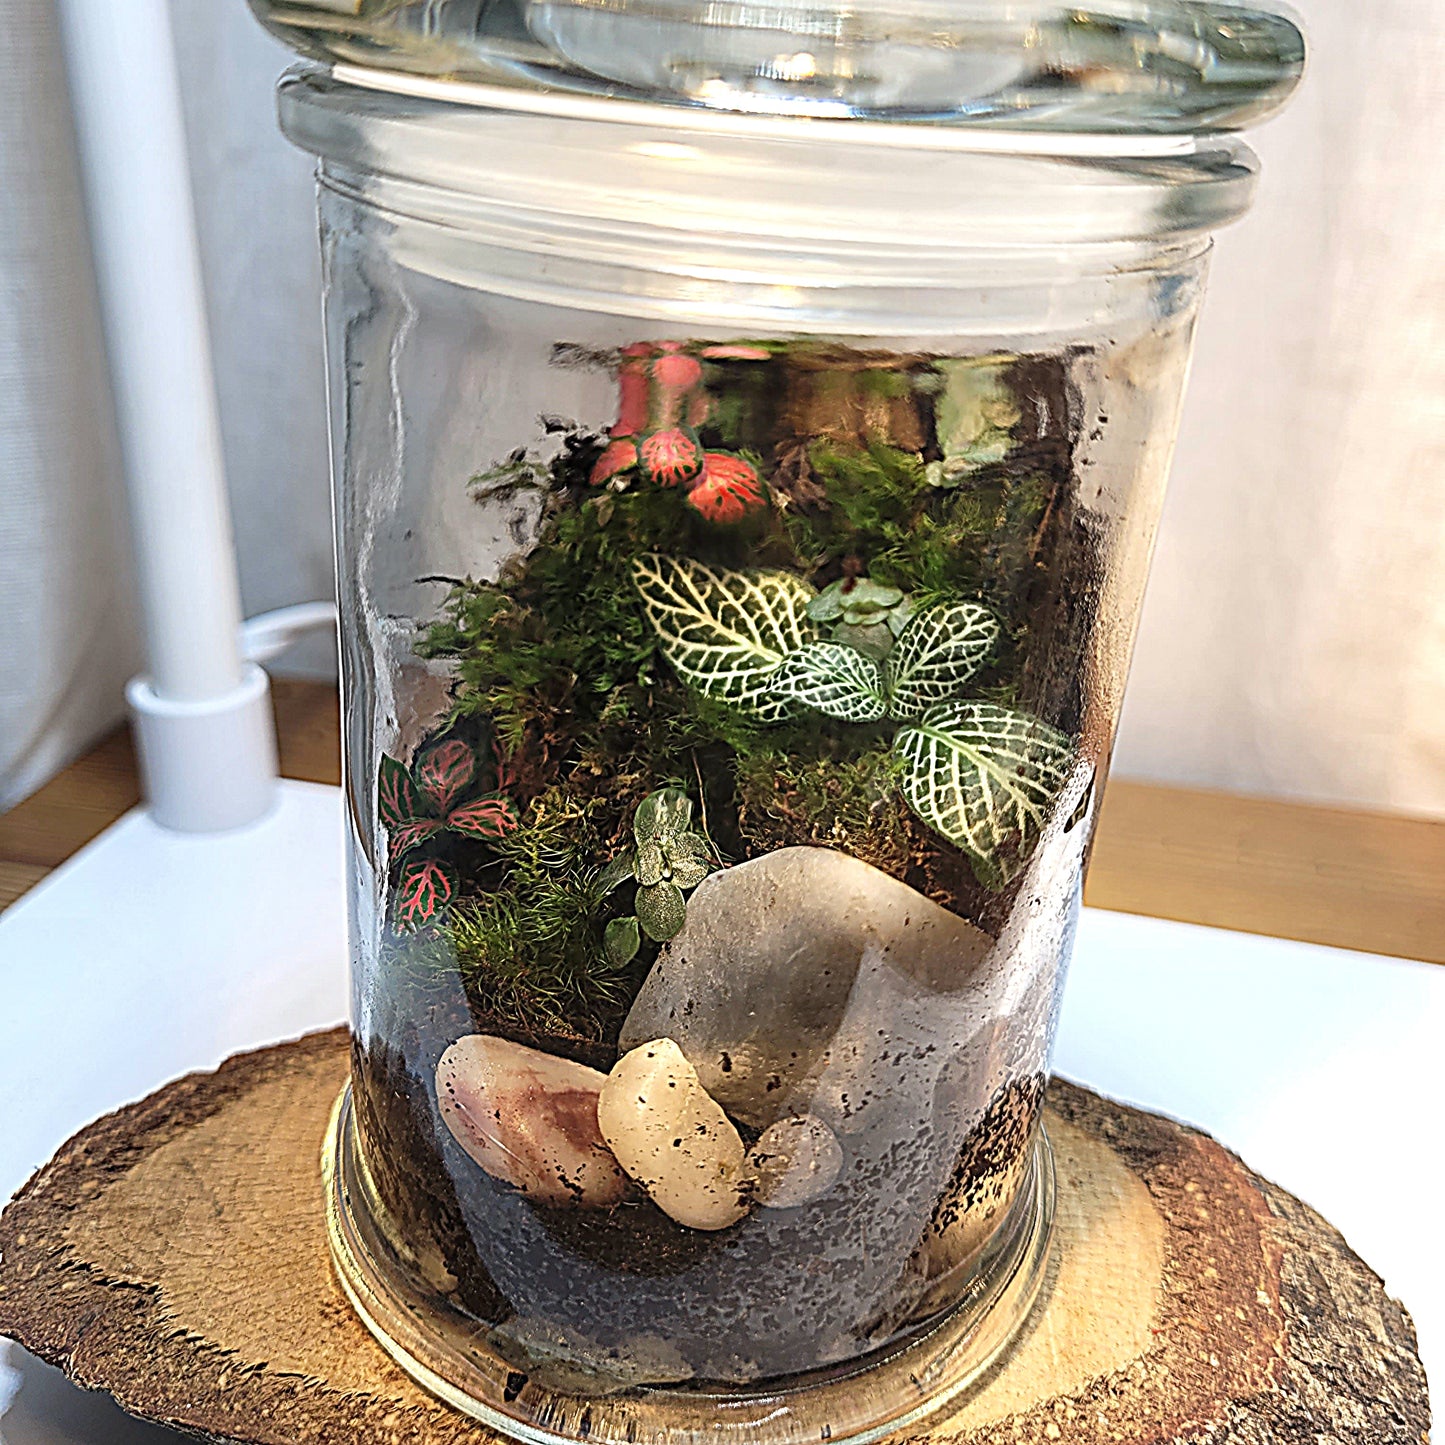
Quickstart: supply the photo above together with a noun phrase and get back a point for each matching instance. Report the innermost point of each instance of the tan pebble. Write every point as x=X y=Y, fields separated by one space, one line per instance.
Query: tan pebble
x=529 y=1119
x=795 y=1161
x=673 y=1138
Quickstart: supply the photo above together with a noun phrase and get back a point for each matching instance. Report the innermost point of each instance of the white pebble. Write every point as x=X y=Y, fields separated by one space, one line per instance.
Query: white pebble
x=795 y=1161
x=529 y=1119
x=672 y=1137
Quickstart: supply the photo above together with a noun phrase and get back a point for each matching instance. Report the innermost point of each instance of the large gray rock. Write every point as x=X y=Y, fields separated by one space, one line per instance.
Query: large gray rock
x=804 y=979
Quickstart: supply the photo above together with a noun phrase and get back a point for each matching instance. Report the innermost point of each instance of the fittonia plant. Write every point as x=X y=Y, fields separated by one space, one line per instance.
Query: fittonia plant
x=423 y=803
x=668 y=861
x=980 y=775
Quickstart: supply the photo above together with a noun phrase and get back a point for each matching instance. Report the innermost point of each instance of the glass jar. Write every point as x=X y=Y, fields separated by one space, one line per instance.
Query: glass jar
x=742 y=522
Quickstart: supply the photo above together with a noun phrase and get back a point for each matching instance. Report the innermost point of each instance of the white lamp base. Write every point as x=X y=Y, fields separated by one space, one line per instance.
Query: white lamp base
x=207 y=766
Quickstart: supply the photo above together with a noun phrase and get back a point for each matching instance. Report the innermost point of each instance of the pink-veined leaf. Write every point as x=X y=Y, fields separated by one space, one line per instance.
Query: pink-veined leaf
x=396 y=798
x=402 y=840
x=443 y=772
x=426 y=887
x=484 y=818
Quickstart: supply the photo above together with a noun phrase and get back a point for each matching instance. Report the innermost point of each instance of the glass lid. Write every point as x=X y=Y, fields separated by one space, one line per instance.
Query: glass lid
x=1111 y=66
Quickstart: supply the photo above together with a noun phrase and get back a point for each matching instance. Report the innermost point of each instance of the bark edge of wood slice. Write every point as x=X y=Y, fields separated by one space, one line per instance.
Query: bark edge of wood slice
x=173 y=1254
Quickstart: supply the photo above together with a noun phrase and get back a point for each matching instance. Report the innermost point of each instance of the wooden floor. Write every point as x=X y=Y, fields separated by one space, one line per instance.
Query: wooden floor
x=1351 y=879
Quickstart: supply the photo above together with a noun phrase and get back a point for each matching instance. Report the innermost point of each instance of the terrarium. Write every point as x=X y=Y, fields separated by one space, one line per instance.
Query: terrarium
x=749 y=429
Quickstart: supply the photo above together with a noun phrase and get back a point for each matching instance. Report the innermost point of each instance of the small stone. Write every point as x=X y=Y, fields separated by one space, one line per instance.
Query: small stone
x=795 y=1161
x=530 y=1120
x=671 y=1136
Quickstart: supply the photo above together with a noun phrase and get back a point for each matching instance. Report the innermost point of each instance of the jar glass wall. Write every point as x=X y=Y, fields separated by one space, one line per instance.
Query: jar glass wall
x=738 y=588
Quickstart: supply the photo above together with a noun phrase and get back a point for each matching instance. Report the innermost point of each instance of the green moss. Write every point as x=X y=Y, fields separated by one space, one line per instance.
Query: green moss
x=826 y=800
x=530 y=952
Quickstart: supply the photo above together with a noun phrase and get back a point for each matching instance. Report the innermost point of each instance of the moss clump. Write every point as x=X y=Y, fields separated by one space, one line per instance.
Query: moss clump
x=849 y=803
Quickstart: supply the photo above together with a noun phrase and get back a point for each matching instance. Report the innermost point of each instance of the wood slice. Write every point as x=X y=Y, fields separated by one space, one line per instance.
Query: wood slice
x=174 y=1255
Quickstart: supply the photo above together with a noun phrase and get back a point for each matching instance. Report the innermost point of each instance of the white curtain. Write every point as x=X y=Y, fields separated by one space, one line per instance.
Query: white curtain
x=1294 y=637
x=67 y=621
x=1293 y=642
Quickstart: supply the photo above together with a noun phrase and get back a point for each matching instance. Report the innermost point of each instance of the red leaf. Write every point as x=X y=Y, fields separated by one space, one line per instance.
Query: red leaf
x=736 y=353
x=396 y=799
x=728 y=489
x=443 y=772
x=426 y=888
x=506 y=767
x=485 y=818
x=670 y=457
x=632 y=400
x=617 y=457
x=403 y=839
x=676 y=374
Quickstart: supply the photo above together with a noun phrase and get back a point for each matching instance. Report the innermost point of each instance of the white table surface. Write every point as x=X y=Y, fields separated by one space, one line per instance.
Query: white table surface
x=150 y=954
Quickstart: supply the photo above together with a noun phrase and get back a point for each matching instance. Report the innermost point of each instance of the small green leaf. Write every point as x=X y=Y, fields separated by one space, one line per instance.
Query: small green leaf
x=621 y=939
x=867 y=601
x=899 y=617
x=827 y=606
x=661 y=910
x=686 y=869
x=985 y=778
x=938 y=653
x=872 y=639
x=650 y=864
x=663 y=814
x=854 y=599
x=832 y=679
x=619 y=870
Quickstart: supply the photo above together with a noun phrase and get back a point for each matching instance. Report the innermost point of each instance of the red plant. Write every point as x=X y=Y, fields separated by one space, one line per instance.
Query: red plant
x=617 y=457
x=676 y=373
x=735 y=352
x=662 y=402
x=633 y=407
x=424 y=802
x=727 y=490
x=671 y=457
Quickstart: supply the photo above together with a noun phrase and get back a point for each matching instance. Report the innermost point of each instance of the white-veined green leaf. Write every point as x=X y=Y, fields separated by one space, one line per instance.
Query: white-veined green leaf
x=985 y=778
x=725 y=633
x=833 y=679
x=939 y=652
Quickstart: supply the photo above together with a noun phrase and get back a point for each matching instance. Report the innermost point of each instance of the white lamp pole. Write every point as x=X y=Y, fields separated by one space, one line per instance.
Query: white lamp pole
x=202 y=713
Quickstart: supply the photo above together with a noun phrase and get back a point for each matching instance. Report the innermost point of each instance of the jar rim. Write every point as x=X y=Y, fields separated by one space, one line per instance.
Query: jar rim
x=854 y=131
x=1062 y=67
x=723 y=190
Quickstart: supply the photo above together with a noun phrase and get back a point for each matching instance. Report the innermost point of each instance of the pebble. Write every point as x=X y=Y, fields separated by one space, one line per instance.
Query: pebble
x=673 y=1138
x=795 y=1161
x=530 y=1120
